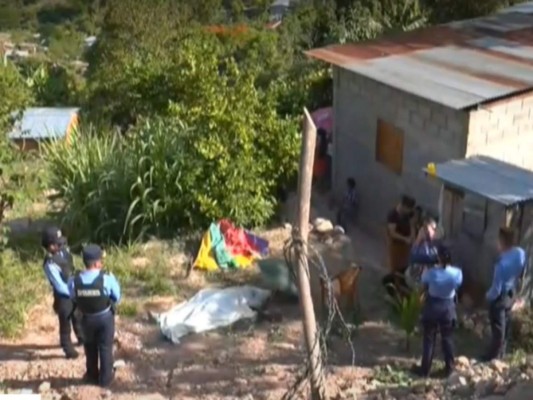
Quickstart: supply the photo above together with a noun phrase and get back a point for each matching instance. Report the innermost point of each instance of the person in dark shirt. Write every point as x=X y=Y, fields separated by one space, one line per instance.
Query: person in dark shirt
x=348 y=208
x=399 y=239
x=400 y=234
x=418 y=219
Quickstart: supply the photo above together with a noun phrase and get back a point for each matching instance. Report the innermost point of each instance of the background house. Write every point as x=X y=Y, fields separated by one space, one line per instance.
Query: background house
x=446 y=92
x=38 y=125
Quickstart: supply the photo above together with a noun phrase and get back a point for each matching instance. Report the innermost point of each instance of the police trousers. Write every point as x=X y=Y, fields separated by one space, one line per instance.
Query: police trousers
x=500 y=325
x=99 y=333
x=67 y=316
x=438 y=316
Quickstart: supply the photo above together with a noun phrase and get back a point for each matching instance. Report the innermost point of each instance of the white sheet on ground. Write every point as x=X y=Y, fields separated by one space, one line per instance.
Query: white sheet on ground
x=211 y=308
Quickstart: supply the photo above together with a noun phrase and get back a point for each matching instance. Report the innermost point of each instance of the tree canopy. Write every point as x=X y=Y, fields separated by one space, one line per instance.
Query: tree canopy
x=207 y=99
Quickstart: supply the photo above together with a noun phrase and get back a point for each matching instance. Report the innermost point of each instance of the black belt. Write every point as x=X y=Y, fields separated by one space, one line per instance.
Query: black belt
x=97 y=314
x=61 y=296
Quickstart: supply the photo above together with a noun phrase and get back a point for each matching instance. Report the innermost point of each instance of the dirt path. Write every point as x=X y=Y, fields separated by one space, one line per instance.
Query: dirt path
x=260 y=359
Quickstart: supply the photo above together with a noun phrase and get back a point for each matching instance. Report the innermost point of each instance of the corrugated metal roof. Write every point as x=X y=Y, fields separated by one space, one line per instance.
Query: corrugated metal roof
x=43 y=123
x=459 y=65
x=495 y=180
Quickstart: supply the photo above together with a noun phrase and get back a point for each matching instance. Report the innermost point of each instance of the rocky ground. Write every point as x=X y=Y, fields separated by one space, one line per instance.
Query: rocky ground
x=261 y=359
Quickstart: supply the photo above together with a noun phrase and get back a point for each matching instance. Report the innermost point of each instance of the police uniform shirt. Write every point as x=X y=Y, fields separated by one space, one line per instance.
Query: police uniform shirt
x=111 y=286
x=54 y=275
x=442 y=282
x=506 y=272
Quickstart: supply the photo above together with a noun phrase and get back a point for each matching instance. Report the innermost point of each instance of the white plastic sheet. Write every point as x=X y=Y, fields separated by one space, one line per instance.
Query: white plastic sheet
x=211 y=308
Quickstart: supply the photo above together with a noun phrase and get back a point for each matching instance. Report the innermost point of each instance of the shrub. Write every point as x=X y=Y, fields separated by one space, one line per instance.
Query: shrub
x=160 y=178
x=406 y=310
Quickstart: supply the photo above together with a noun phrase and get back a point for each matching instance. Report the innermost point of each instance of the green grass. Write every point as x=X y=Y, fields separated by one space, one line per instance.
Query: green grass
x=128 y=309
x=21 y=286
x=22 y=280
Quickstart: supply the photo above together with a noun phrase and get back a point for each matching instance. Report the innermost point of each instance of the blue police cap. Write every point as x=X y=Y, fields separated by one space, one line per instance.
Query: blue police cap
x=52 y=235
x=92 y=253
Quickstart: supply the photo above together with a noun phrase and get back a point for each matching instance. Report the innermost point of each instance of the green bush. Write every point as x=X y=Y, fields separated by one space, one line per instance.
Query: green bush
x=160 y=178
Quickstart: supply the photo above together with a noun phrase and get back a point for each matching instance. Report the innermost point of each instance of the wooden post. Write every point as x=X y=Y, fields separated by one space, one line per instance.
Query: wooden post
x=306 y=301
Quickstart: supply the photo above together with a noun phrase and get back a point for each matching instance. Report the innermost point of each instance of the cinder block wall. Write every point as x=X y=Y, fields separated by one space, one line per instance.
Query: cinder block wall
x=504 y=131
x=432 y=133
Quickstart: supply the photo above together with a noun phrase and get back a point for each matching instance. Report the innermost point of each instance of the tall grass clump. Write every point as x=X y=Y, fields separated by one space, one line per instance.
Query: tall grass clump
x=119 y=188
x=159 y=178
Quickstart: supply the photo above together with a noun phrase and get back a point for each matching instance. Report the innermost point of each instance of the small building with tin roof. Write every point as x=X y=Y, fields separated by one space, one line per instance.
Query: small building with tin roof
x=445 y=92
x=40 y=125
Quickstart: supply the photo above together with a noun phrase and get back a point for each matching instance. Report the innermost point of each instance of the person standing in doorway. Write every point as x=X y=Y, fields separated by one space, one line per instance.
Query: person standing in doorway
x=507 y=273
x=439 y=314
x=400 y=235
x=348 y=209
x=58 y=267
x=96 y=293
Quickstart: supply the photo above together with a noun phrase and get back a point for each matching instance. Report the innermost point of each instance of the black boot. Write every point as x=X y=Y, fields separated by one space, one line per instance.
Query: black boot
x=70 y=353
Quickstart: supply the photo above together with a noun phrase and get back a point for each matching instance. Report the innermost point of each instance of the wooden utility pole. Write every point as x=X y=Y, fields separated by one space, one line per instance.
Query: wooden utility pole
x=305 y=180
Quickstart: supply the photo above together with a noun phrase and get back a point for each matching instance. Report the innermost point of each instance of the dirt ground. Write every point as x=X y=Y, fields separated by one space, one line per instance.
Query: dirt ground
x=247 y=361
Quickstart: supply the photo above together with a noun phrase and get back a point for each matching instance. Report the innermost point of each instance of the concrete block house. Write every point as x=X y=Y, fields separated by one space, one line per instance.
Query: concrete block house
x=428 y=96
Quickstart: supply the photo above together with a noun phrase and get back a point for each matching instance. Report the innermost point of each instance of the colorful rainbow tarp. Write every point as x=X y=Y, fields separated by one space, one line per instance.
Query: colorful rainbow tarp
x=224 y=246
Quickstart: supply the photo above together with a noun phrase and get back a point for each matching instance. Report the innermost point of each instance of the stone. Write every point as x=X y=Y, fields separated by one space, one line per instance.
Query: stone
x=339 y=229
x=322 y=225
x=499 y=366
x=241 y=382
x=44 y=387
x=462 y=362
x=119 y=364
x=456 y=379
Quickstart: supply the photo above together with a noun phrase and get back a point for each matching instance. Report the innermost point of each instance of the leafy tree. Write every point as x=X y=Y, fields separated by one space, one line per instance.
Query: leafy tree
x=229 y=164
x=15 y=95
x=453 y=10
x=53 y=85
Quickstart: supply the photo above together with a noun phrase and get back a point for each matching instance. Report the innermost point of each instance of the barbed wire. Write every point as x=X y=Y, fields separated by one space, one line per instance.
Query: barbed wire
x=316 y=261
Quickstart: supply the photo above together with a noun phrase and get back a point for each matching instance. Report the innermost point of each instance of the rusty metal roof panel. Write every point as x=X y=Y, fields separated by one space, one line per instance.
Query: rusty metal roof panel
x=503 y=46
x=411 y=84
x=494 y=51
x=482 y=64
x=438 y=84
x=487 y=177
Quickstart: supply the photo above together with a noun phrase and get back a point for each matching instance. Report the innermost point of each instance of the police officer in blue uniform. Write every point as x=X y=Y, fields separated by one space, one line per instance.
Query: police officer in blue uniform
x=508 y=272
x=95 y=294
x=58 y=267
x=439 y=315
